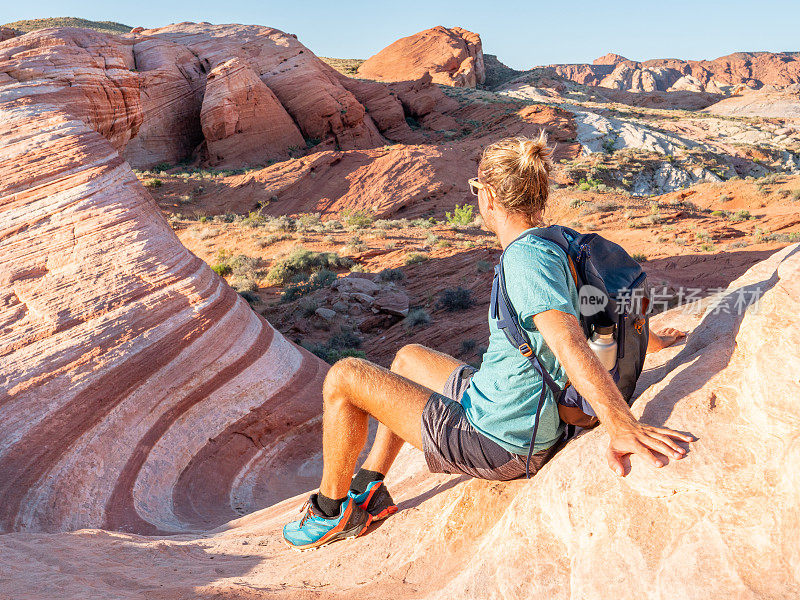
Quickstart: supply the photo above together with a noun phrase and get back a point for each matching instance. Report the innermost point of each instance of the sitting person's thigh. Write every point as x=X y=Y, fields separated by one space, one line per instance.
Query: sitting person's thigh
x=425 y=366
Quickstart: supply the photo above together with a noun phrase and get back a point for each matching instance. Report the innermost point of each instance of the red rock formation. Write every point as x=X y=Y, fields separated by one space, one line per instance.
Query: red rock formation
x=609 y=59
x=751 y=69
x=243 y=122
x=138 y=391
x=6 y=33
x=451 y=56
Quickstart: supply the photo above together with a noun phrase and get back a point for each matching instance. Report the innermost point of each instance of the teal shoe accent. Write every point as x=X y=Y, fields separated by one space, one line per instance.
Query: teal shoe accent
x=376 y=500
x=315 y=529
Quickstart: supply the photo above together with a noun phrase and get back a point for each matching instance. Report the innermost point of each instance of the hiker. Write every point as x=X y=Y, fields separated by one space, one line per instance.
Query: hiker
x=477 y=422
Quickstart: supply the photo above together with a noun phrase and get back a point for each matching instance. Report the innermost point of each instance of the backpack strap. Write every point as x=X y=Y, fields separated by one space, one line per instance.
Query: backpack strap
x=503 y=312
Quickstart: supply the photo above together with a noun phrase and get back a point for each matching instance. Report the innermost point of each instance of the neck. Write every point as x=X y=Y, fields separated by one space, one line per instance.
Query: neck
x=512 y=229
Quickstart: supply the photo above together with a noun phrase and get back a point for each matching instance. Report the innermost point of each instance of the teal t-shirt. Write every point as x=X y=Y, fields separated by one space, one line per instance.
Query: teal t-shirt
x=503 y=395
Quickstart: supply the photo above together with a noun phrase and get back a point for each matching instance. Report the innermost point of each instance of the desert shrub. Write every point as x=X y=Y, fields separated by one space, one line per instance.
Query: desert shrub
x=153 y=183
x=305 y=261
x=222 y=269
x=790 y=237
x=391 y=275
x=453 y=299
x=356 y=219
x=575 y=203
x=719 y=213
x=356 y=244
x=309 y=221
x=416 y=317
x=307 y=306
x=639 y=257
x=707 y=247
x=461 y=215
x=250 y=297
x=302 y=285
x=389 y=223
x=273 y=238
x=600 y=207
x=340 y=345
x=467 y=346
x=333 y=225
x=415 y=257
x=204 y=233
x=796 y=195
x=740 y=215
x=431 y=239
x=358 y=268
x=484 y=266
x=345 y=338
x=424 y=223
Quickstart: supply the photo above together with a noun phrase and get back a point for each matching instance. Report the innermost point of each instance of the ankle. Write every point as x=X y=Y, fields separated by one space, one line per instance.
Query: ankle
x=363 y=478
x=330 y=507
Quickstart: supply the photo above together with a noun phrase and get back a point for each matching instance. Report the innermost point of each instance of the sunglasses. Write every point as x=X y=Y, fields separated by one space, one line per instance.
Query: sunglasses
x=475 y=186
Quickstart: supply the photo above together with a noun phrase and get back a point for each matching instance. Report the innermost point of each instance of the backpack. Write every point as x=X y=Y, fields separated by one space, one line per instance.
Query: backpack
x=612 y=291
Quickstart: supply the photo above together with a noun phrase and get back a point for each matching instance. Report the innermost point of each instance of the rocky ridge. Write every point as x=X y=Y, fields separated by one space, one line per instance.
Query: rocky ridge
x=452 y=57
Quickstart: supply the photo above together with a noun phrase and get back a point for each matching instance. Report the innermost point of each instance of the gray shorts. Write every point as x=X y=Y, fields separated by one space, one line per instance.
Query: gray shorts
x=452 y=445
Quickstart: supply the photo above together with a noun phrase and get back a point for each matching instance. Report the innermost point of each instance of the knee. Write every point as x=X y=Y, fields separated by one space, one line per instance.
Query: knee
x=339 y=379
x=406 y=358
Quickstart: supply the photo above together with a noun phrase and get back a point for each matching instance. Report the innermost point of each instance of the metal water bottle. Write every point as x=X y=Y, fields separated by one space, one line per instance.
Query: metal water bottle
x=605 y=346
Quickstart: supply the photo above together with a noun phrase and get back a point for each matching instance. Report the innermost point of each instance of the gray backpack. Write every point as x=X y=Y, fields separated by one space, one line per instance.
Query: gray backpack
x=611 y=287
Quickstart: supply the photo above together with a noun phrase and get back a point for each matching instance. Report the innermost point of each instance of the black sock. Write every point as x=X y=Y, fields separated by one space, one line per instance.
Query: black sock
x=363 y=478
x=329 y=506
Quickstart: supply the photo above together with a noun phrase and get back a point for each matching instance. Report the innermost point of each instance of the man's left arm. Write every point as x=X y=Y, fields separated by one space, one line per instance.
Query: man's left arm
x=565 y=337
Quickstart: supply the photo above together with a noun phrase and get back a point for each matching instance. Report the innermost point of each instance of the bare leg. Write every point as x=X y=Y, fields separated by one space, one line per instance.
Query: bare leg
x=421 y=365
x=353 y=390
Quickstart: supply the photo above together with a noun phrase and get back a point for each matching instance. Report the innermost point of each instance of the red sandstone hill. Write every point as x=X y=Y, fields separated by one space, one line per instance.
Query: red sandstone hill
x=452 y=57
x=750 y=69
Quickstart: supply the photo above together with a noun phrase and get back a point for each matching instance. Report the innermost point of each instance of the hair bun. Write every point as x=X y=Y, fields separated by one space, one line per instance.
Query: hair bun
x=532 y=151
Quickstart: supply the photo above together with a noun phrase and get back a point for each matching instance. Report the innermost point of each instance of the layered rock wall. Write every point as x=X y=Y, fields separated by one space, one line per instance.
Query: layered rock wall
x=136 y=387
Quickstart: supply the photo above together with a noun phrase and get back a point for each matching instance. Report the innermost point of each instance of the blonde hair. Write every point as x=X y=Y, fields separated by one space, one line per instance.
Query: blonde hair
x=517 y=170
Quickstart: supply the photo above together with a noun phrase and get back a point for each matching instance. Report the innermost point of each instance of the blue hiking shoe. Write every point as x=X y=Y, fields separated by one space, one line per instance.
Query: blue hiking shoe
x=376 y=500
x=315 y=529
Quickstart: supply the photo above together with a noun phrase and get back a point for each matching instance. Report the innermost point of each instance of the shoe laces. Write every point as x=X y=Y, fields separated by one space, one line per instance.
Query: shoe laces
x=307 y=508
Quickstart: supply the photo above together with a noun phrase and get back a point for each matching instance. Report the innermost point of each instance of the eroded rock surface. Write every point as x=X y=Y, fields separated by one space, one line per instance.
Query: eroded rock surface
x=451 y=56
x=720 y=75
x=243 y=121
x=138 y=391
x=222 y=95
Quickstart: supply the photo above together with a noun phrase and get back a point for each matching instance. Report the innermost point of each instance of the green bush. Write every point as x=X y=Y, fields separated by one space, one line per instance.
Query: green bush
x=415 y=257
x=461 y=215
x=342 y=344
x=416 y=317
x=740 y=215
x=153 y=183
x=356 y=219
x=467 y=347
x=639 y=257
x=453 y=299
x=391 y=275
x=424 y=223
x=306 y=262
x=300 y=286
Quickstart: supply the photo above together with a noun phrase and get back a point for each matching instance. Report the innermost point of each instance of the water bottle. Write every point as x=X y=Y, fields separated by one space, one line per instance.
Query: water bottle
x=604 y=345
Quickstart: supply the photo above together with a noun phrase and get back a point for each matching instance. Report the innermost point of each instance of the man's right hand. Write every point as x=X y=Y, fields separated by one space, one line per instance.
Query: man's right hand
x=633 y=437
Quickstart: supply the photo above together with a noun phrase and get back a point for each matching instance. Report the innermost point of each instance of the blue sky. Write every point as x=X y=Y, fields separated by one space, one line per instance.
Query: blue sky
x=521 y=34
